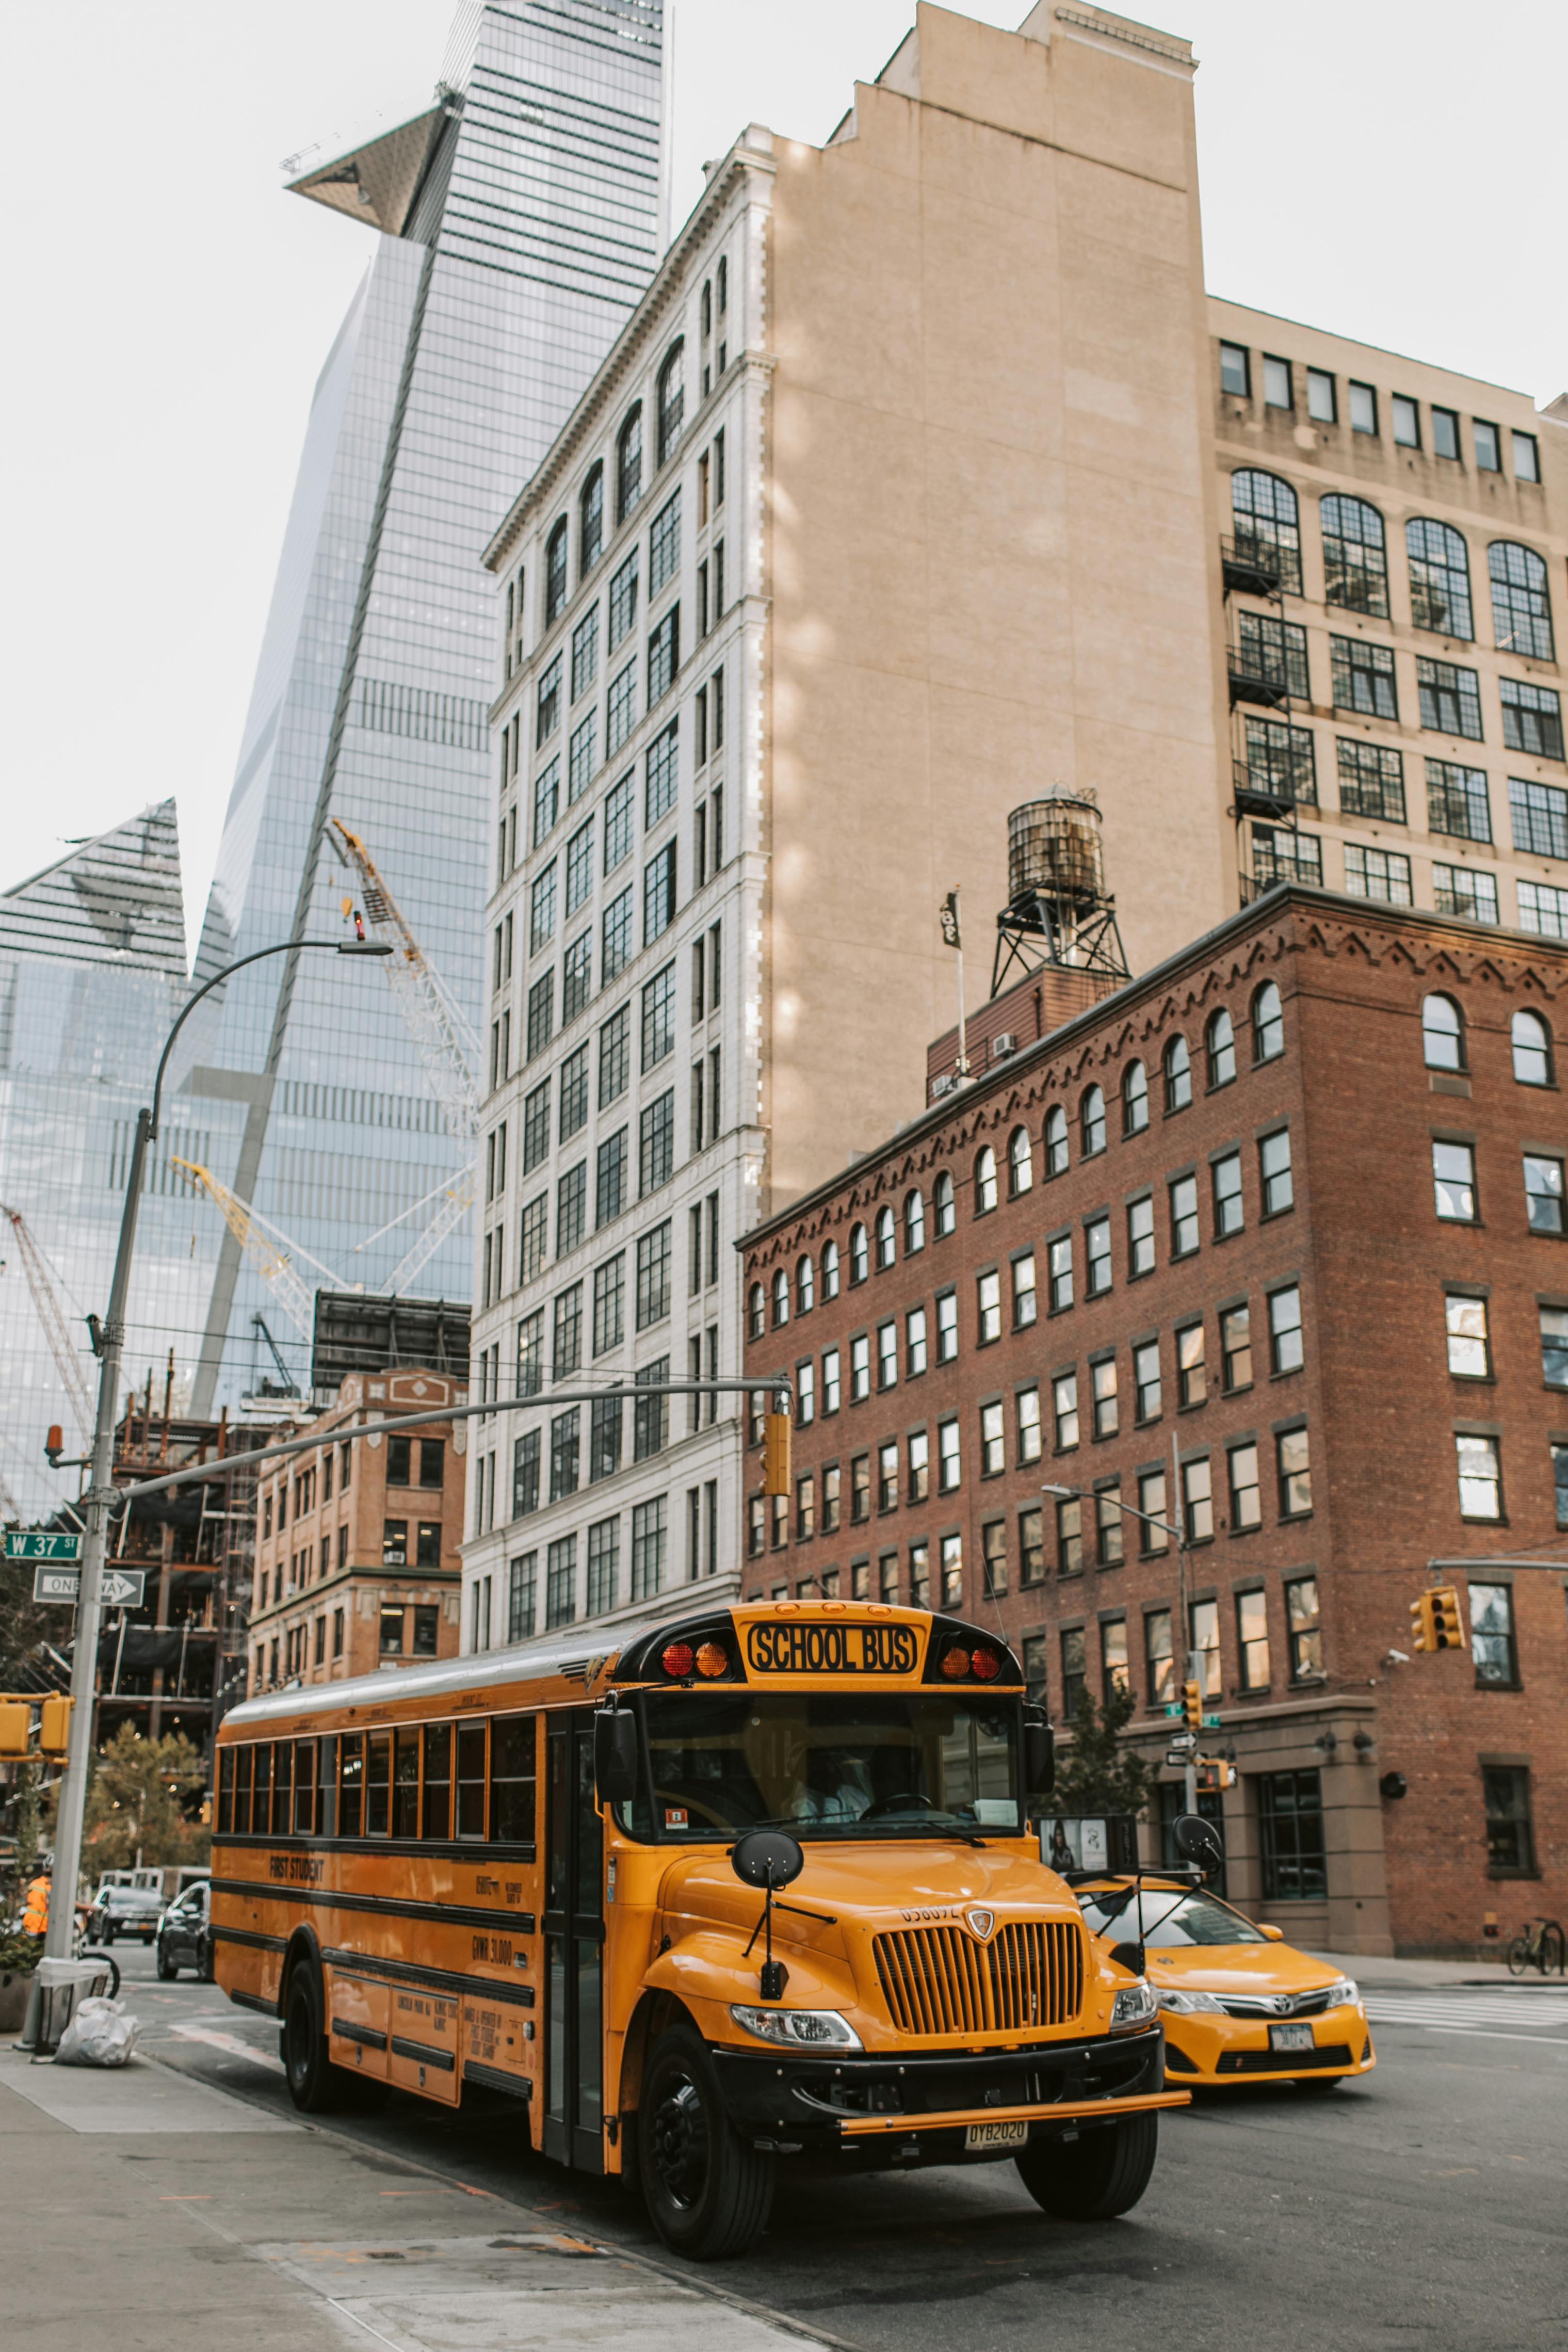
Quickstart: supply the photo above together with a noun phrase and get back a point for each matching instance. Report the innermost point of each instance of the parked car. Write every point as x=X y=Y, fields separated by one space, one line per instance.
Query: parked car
x=185 y=1935
x=124 y=1911
x=1238 y=2003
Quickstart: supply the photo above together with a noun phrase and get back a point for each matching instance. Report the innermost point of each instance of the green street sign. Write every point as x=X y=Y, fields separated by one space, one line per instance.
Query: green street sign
x=32 y=1544
x=1211 y=1723
x=1173 y=1710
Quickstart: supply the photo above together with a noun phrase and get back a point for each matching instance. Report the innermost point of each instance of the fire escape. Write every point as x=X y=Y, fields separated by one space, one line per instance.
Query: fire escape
x=1266 y=658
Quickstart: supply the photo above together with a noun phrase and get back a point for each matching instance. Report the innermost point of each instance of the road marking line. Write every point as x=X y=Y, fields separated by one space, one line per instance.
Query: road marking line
x=230 y=2044
x=1481 y=2033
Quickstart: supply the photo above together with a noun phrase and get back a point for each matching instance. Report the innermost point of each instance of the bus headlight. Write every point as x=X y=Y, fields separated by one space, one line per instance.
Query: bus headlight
x=801 y=2029
x=1135 y=2005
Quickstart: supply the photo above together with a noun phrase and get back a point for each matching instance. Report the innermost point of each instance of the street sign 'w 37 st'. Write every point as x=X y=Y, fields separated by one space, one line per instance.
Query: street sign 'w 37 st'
x=32 y=1543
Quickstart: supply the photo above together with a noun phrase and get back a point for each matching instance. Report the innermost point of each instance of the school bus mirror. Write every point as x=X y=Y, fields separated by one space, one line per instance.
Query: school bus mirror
x=1038 y=1753
x=1196 y=1840
x=616 y=1749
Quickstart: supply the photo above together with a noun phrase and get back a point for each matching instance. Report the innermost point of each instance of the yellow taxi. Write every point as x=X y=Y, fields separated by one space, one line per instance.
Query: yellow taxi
x=1237 y=2002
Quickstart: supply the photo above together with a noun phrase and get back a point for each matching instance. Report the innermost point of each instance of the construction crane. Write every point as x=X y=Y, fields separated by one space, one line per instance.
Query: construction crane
x=272 y=1253
x=46 y=1301
x=446 y=1042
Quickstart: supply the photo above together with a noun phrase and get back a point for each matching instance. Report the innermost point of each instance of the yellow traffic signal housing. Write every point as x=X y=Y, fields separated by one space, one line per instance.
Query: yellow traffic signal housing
x=776 y=1454
x=15 y=1726
x=1192 y=1704
x=54 y=1728
x=1215 y=1772
x=1448 y=1625
x=1423 y=1623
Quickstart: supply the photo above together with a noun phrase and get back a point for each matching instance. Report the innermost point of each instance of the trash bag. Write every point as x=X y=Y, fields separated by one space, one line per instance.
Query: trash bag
x=99 y=2034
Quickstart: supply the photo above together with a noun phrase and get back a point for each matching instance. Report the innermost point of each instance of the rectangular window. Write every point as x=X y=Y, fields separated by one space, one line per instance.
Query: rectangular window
x=952 y=1571
x=1027 y=1407
x=1184 y=1216
x=606 y=1431
x=1480 y=1477
x=1159 y=1661
x=1445 y=433
x=1031 y=1558
x=1226 y=1174
x=1205 y=1638
x=659 y=1018
x=1555 y=1347
x=1321 y=404
x=520 y=1587
x=541 y=910
x=1488 y=454
x=1097 y=1250
x=603 y=1565
x=1531 y=717
x=1245 y=1496
x=1457 y=802
x=1454 y=1182
x=659 y=894
x=579 y=867
x=1064 y=1406
x=565 y=1353
x=948 y=1470
x=1290 y=1837
x=1407 y=416
x=1540 y=814
x=1305 y=1628
x=547 y=799
x=664 y=655
x=1371 y=781
x=1108 y=1528
x=653 y=1262
x=622 y=600
x=830 y=1380
x=1285 y=1329
x=560 y=1582
x=1023 y=1291
x=1456 y=891
x=549 y=708
x=1492 y=1642
x=1543 y=1194
x=1274 y=1171
x=1362 y=675
x=988 y=1307
x=531 y=1353
x=1363 y=407
x=1069 y=1536
x=887 y=1355
x=1060 y=1273
x=656 y=1145
x=1198 y=1500
x=660 y=767
x=563 y=1455
x=1153 y=1537
x=609 y=1295
x=620 y=711
x=993 y=1448
x=1147 y=1379
x=860 y=1489
x=1140 y=1240
x=919 y=1454
x=570 y=1209
x=585 y=653
x=947 y=1327
x=651 y=1417
x=1194 y=1378
x=1073 y=1677
x=1272 y=654
x=1277 y=383
x=915 y=1343
x=1543 y=910
x=1280 y=855
x=541 y=1014
x=664 y=545
x=610 y=1179
x=1281 y=760
x=887 y=1475
x=860 y=1367
x=1449 y=698
x=1235 y=371
x=1102 y=1384
x=648 y=1540
x=1252 y=1639
x=1293 y=1464
x=1526 y=457
x=581 y=760
x=1511 y=1832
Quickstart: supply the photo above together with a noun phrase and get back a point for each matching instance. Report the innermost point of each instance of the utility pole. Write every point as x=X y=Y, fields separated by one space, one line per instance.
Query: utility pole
x=1194 y=1657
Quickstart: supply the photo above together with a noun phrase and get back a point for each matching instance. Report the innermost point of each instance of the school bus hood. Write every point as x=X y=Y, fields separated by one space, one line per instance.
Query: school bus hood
x=900 y=1884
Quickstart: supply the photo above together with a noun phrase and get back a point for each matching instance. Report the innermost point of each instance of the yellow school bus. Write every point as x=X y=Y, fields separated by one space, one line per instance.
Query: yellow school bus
x=762 y=1883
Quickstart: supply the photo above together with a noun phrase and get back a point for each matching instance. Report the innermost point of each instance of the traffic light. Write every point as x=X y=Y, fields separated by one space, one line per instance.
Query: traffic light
x=54 y=1728
x=1192 y=1705
x=1215 y=1772
x=1435 y=1620
x=776 y=1454
x=16 y=1726
x=1423 y=1623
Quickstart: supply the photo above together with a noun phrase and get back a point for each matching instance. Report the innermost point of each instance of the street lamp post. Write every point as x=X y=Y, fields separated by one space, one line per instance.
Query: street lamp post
x=101 y=1487
x=1067 y=1494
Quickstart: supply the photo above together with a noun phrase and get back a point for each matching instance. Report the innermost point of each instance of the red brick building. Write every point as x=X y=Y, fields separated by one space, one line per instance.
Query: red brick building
x=1278 y=1231
x=357 y=1561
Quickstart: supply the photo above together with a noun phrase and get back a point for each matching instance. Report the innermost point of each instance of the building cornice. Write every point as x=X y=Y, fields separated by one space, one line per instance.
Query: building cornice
x=744 y=161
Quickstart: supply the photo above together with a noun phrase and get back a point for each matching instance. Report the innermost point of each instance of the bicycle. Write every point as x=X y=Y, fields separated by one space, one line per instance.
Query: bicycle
x=1541 y=1939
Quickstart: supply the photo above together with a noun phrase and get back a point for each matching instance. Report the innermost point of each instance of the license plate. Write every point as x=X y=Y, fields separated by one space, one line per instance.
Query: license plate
x=997 y=2136
x=1290 y=2037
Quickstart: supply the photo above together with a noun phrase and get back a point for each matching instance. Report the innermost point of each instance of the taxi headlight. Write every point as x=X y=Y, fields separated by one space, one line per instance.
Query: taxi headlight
x=1183 y=2004
x=1134 y=2005
x=803 y=2029
x=1342 y=1994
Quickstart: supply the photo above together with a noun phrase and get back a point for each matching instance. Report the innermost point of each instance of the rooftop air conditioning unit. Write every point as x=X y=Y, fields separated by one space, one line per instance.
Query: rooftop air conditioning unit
x=944 y=1085
x=1003 y=1045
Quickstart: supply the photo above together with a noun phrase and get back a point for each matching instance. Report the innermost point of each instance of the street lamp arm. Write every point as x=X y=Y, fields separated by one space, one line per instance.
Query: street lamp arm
x=1077 y=1494
x=283 y=947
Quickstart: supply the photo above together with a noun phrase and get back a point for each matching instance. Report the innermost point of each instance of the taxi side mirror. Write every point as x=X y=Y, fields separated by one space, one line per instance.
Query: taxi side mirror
x=1038 y=1753
x=1275 y=1934
x=615 y=1755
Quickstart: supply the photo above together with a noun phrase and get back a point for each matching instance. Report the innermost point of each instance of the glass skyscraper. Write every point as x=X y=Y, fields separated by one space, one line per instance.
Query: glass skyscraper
x=518 y=223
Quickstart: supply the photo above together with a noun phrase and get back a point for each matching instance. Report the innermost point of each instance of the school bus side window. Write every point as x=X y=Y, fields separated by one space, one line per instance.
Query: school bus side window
x=243 y=1756
x=261 y=1785
x=226 y=1791
x=512 y=1779
x=406 y=1783
x=327 y=1823
x=378 y=1783
x=304 y=1788
x=471 y=1780
x=352 y=1786
x=437 y=1782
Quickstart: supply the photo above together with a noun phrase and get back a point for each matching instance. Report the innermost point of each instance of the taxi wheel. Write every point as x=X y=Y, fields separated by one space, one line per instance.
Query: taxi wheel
x=167 y=1969
x=311 y=2077
x=1097 y=2177
x=708 y=2192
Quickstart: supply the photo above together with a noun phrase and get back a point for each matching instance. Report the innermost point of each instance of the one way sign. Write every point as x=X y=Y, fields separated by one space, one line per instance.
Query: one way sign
x=122 y=1587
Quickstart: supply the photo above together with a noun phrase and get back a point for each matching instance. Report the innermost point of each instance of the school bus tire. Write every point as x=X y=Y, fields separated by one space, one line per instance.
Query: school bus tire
x=1094 y=2178
x=708 y=2192
x=314 y=2084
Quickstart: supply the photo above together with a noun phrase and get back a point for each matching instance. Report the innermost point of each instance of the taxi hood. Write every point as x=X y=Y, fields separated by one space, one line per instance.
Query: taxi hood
x=1238 y=1967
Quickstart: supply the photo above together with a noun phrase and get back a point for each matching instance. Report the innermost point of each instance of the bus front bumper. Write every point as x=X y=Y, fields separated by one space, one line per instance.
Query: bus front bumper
x=920 y=2107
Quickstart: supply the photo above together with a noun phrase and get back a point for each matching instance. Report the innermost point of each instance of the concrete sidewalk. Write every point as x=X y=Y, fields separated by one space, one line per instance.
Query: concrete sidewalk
x=156 y=2214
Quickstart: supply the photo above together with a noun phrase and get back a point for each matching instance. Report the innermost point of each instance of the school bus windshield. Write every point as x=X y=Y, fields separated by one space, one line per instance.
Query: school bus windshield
x=821 y=1765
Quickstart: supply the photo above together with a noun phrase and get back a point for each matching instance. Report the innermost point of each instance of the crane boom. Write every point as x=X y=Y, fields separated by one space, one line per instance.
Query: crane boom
x=271 y=1252
x=438 y=1025
x=46 y=1301
x=452 y=1210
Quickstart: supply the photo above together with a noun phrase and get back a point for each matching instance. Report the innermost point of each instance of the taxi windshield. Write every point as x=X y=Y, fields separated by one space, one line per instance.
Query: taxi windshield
x=899 y=1765
x=1163 y=1918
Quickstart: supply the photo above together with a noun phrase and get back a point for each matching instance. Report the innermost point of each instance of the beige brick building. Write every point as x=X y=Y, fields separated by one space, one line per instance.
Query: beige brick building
x=357 y=1561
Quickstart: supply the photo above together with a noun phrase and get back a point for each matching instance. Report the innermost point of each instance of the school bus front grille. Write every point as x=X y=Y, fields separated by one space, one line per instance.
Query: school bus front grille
x=944 y=1980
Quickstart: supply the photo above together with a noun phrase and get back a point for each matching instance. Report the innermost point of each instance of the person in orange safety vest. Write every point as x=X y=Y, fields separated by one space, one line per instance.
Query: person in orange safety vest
x=36 y=1914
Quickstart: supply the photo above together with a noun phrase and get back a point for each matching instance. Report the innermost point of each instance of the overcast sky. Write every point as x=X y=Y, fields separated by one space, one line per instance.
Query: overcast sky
x=1387 y=168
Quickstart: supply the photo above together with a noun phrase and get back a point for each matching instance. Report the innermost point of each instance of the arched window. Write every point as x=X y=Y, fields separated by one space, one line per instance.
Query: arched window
x=1520 y=607
x=1439 y=578
x=1268 y=1024
x=671 y=397
x=780 y=1298
x=1268 y=526
x=1531 y=1050
x=555 y=572
x=943 y=1204
x=1055 y=1141
x=1219 y=1043
x=1091 y=1123
x=914 y=1223
x=629 y=463
x=829 y=1270
x=707 y=309
x=805 y=1287
x=590 y=523
x=860 y=1254
x=885 y=1239
x=1020 y=1163
x=1178 y=1075
x=1442 y=1034
x=756 y=1312
x=1355 y=557
x=985 y=1180
x=1134 y=1099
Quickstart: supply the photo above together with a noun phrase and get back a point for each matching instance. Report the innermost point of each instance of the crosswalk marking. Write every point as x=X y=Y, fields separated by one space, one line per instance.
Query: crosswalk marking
x=1519 y=2016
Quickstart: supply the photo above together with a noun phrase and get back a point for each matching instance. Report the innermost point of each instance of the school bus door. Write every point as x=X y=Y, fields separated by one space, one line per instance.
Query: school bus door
x=574 y=1947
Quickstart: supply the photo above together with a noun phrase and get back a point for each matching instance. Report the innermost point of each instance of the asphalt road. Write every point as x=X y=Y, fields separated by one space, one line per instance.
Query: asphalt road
x=1419 y=2209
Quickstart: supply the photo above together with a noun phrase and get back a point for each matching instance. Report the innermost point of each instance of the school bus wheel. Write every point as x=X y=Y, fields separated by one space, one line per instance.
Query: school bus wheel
x=1094 y=2178
x=709 y=2191
x=313 y=2079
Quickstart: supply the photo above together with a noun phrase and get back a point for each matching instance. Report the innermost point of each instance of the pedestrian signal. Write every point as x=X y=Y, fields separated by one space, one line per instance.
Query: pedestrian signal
x=54 y=1728
x=776 y=1457
x=1215 y=1772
